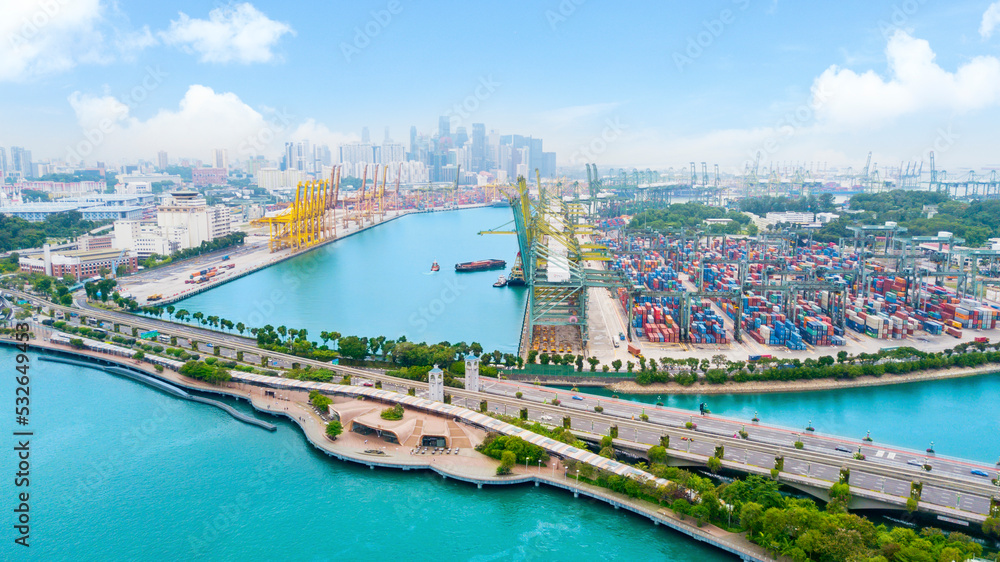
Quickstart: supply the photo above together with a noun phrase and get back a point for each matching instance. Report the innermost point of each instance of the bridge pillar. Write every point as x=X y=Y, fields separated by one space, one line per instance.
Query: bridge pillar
x=479 y=485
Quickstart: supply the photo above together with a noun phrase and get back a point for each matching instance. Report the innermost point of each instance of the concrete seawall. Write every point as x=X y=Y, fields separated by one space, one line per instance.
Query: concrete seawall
x=727 y=542
x=161 y=385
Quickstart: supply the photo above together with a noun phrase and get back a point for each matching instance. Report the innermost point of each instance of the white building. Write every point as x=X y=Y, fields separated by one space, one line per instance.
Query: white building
x=435 y=382
x=791 y=217
x=133 y=187
x=472 y=373
x=273 y=178
x=183 y=220
x=220 y=221
x=145 y=238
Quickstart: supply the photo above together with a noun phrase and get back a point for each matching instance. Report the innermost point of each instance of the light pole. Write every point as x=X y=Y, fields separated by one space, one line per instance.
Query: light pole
x=539 y=466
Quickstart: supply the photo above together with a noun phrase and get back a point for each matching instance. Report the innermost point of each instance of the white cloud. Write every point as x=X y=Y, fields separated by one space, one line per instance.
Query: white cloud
x=991 y=18
x=130 y=43
x=240 y=33
x=844 y=98
x=46 y=36
x=318 y=133
x=204 y=120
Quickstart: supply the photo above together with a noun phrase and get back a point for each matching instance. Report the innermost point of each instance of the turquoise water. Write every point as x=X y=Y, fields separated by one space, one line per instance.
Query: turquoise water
x=123 y=472
x=378 y=282
x=961 y=416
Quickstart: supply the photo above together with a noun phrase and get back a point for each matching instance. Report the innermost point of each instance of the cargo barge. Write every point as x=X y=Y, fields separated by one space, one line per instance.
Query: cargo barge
x=481 y=265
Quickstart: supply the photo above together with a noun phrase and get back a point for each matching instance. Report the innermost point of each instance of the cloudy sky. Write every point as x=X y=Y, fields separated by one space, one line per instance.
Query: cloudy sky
x=647 y=84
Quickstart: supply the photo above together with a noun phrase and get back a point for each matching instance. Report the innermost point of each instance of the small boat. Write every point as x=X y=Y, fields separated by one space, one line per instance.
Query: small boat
x=501 y=282
x=435 y=266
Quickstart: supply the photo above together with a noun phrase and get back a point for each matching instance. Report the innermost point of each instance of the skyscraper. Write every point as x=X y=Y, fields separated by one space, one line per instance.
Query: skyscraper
x=365 y=137
x=161 y=158
x=478 y=147
x=386 y=140
x=3 y=162
x=220 y=157
x=413 y=141
x=20 y=161
x=288 y=159
x=444 y=126
x=461 y=137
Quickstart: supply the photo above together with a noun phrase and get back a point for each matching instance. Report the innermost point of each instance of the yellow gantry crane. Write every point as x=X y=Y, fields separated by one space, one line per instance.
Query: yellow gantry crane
x=306 y=222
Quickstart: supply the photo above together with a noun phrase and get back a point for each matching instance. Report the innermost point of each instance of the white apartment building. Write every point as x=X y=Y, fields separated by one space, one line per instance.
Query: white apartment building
x=273 y=178
x=183 y=220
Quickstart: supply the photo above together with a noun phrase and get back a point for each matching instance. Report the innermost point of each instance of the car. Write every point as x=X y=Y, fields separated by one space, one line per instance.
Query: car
x=977 y=472
x=914 y=462
x=621 y=336
x=368 y=383
x=842 y=449
x=575 y=397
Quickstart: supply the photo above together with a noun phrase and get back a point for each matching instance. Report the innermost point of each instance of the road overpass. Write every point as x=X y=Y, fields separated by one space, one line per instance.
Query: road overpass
x=882 y=480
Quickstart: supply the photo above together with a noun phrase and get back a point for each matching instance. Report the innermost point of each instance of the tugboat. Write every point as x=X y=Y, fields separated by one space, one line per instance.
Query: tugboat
x=501 y=282
x=435 y=266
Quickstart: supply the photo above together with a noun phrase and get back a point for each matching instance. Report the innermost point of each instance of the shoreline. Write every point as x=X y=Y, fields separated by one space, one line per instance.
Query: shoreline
x=773 y=387
x=313 y=429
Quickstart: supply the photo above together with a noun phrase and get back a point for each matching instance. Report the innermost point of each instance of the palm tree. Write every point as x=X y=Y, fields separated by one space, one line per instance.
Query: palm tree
x=182 y=314
x=198 y=316
x=240 y=327
x=170 y=310
x=282 y=330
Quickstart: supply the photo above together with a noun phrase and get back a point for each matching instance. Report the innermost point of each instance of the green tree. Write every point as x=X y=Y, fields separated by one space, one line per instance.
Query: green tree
x=353 y=347
x=617 y=364
x=333 y=429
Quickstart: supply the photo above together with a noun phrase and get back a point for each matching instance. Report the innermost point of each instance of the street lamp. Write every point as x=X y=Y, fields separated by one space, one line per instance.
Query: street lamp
x=539 y=466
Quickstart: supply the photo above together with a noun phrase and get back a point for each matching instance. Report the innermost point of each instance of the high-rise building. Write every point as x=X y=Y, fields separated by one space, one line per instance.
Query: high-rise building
x=3 y=162
x=221 y=158
x=478 y=147
x=413 y=142
x=386 y=140
x=20 y=161
x=288 y=159
x=461 y=137
x=161 y=158
x=444 y=127
x=365 y=137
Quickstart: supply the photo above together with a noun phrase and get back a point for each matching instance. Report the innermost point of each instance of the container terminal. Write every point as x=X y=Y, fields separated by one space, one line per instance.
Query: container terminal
x=599 y=288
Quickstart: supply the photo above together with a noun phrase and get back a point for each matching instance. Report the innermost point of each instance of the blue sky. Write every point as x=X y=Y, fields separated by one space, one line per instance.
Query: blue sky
x=648 y=84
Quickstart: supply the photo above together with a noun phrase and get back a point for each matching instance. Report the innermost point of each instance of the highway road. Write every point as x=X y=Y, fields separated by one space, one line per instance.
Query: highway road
x=887 y=469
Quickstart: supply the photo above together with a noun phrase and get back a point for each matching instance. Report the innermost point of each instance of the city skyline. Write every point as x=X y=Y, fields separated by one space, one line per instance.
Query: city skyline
x=716 y=82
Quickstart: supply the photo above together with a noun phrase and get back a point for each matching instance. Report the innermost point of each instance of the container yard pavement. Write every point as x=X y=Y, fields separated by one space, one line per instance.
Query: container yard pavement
x=607 y=321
